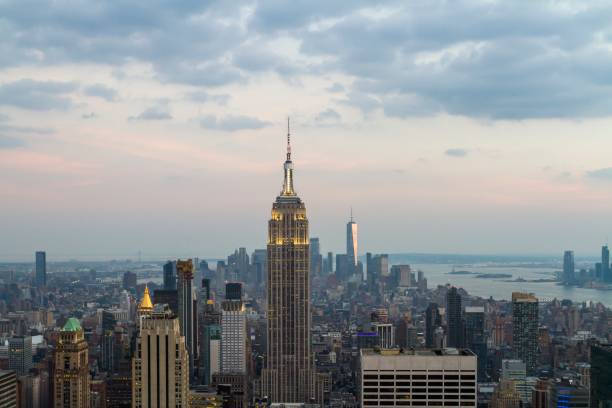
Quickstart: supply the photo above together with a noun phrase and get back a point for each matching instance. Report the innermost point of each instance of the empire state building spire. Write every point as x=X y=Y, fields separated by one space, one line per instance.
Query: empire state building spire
x=288 y=181
x=289 y=374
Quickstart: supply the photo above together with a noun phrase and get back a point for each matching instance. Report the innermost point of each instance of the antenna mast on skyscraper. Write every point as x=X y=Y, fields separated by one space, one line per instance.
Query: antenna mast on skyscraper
x=351 y=213
x=288 y=141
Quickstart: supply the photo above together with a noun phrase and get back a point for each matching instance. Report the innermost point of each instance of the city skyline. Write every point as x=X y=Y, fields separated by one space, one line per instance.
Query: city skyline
x=98 y=138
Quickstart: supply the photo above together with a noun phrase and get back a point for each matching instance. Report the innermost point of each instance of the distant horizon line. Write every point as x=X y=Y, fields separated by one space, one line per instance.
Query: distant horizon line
x=62 y=258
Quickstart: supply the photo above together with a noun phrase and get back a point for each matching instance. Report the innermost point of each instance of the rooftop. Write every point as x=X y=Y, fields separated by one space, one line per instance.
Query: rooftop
x=449 y=351
x=72 y=325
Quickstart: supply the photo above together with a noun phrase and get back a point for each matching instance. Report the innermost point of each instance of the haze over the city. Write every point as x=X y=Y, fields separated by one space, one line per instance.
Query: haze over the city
x=451 y=127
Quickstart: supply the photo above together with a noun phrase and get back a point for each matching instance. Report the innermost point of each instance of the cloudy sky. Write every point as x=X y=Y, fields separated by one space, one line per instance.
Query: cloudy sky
x=448 y=126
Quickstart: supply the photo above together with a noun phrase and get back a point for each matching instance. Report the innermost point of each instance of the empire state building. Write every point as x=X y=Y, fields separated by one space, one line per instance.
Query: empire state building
x=289 y=373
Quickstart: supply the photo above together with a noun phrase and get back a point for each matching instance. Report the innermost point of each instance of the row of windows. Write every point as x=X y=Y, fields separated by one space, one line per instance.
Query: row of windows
x=420 y=376
x=420 y=403
x=421 y=390
x=420 y=383
x=419 y=396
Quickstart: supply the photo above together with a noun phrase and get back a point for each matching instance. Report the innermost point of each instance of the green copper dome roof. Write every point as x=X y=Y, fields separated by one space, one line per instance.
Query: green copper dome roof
x=72 y=325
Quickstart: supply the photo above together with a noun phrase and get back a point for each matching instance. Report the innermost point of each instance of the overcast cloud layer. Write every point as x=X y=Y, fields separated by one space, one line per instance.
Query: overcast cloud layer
x=501 y=106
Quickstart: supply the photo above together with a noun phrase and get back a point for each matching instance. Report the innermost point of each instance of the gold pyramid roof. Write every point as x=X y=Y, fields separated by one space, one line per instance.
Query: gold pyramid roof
x=145 y=302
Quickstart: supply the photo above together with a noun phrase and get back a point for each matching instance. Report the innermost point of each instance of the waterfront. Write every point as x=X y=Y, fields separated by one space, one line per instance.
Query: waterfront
x=502 y=288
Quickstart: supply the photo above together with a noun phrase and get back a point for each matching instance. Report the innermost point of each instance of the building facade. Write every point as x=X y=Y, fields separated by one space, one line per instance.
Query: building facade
x=41 y=268
x=437 y=377
x=20 y=354
x=351 y=242
x=8 y=389
x=525 y=329
x=71 y=377
x=233 y=331
x=289 y=372
x=160 y=367
x=601 y=376
x=454 y=318
x=184 y=270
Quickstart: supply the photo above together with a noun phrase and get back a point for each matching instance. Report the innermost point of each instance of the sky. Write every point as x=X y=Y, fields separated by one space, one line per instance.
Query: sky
x=479 y=127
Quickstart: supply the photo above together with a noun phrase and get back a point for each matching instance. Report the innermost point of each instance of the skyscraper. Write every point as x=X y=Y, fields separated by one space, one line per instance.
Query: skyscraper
x=233 y=331
x=316 y=261
x=184 y=270
x=569 y=273
x=433 y=320
x=454 y=318
x=289 y=372
x=425 y=378
x=475 y=338
x=606 y=273
x=601 y=376
x=71 y=376
x=351 y=242
x=41 y=268
x=160 y=368
x=525 y=329
x=20 y=354
x=170 y=275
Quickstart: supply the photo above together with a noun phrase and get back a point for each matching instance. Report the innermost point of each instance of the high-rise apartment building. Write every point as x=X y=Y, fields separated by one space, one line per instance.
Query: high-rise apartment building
x=316 y=260
x=71 y=377
x=8 y=389
x=569 y=272
x=440 y=377
x=259 y=260
x=433 y=320
x=525 y=329
x=41 y=268
x=330 y=262
x=160 y=367
x=170 y=275
x=454 y=318
x=289 y=373
x=351 y=242
x=233 y=331
x=606 y=272
x=475 y=337
x=601 y=376
x=184 y=270
x=130 y=280
x=107 y=351
x=20 y=354
x=401 y=275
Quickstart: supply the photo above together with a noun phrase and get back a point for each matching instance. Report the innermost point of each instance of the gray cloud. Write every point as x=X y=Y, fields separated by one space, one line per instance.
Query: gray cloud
x=9 y=142
x=456 y=152
x=232 y=123
x=501 y=60
x=204 y=97
x=91 y=115
x=159 y=112
x=336 y=87
x=37 y=95
x=328 y=116
x=25 y=129
x=101 y=91
x=604 y=174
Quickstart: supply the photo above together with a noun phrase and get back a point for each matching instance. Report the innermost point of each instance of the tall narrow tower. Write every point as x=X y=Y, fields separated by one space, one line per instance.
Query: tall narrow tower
x=71 y=376
x=351 y=242
x=289 y=372
x=160 y=375
x=184 y=271
x=525 y=329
